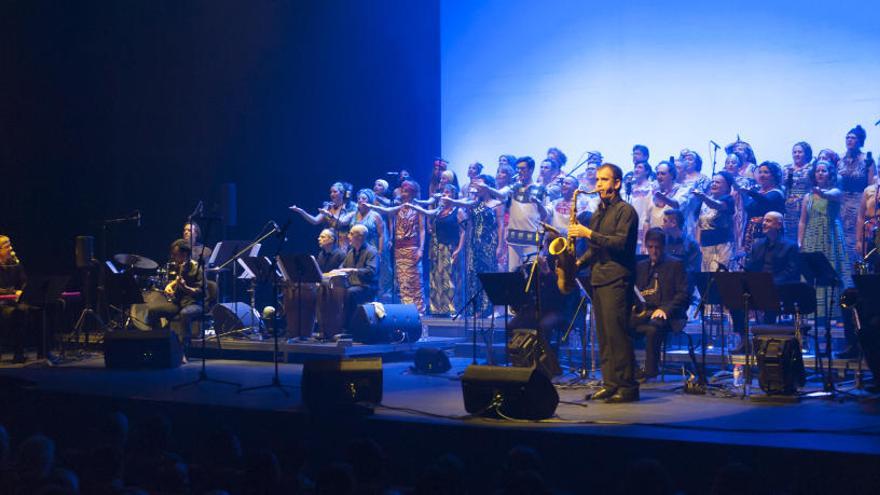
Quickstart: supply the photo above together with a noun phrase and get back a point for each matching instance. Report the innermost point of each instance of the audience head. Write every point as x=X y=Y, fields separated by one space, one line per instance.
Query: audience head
x=36 y=457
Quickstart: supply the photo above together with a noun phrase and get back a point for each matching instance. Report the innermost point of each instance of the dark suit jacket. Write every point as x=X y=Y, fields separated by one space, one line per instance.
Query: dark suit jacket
x=783 y=259
x=612 y=248
x=672 y=287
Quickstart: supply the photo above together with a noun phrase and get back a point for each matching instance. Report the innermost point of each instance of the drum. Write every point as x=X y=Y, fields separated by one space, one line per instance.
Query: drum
x=139 y=313
x=300 y=306
x=331 y=302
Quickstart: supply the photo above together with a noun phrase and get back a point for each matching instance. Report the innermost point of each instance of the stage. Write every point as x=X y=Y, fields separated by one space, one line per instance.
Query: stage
x=423 y=416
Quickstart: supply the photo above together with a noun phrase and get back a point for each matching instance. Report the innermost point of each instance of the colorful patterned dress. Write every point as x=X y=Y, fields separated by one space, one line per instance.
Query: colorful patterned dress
x=443 y=243
x=800 y=187
x=408 y=268
x=482 y=245
x=853 y=181
x=824 y=234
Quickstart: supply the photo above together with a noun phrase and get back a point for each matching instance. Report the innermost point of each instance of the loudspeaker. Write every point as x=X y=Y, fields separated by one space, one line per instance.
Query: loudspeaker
x=401 y=323
x=498 y=391
x=430 y=360
x=780 y=364
x=84 y=250
x=139 y=349
x=529 y=349
x=229 y=317
x=329 y=384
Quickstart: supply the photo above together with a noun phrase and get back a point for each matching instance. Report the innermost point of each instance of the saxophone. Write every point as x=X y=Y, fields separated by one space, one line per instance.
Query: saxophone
x=563 y=249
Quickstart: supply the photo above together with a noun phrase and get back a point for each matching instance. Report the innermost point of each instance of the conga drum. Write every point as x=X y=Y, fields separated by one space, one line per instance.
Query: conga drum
x=300 y=305
x=331 y=302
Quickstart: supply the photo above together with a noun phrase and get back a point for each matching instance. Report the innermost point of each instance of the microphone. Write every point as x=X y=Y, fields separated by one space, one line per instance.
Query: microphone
x=392 y=173
x=274 y=225
x=716 y=145
x=138 y=217
x=592 y=191
x=282 y=231
x=550 y=228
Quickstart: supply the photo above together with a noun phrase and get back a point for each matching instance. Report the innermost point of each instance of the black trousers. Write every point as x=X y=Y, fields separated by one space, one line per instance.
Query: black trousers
x=654 y=329
x=13 y=324
x=612 y=303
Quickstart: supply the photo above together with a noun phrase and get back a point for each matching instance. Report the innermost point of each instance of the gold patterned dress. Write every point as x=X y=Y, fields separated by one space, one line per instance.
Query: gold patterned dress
x=408 y=268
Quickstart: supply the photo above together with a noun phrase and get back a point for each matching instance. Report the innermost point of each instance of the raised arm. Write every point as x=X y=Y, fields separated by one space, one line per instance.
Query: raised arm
x=802 y=223
x=312 y=219
x=388 y=210
x=423 y=211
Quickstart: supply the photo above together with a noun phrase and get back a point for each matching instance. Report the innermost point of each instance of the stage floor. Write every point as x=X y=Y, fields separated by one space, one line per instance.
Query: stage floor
x=664 y=413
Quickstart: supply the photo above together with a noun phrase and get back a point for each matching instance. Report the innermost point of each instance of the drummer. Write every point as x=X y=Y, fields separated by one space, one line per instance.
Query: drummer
x=192 y=234
x=330 y=257
x=361 y=264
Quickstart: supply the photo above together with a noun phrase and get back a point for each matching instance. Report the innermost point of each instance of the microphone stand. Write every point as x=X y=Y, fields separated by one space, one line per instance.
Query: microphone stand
x=203 y=372
x=276 y=380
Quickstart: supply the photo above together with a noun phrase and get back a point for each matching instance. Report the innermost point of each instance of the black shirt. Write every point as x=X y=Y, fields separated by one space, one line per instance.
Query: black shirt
x=330 y=261
x=686 y=250
x=612 y=247
x=193 y=277
x=12 y=278
x=779 y=257
x=366 y=260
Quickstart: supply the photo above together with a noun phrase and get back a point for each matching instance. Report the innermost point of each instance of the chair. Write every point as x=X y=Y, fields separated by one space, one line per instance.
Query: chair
x=676 y=327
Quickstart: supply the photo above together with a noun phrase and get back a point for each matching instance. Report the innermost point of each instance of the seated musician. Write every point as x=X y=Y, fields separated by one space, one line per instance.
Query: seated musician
x=662 y=282
x=183 y=294
x=13 y=316
x=771 y=253
x=362 y=265
x=330 y=257
x=192 y=234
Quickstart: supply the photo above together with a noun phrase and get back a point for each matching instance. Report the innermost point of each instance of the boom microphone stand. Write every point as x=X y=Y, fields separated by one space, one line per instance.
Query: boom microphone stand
x=203 y=372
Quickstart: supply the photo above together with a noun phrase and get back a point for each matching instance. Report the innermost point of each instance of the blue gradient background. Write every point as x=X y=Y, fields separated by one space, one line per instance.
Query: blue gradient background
x=519 y=76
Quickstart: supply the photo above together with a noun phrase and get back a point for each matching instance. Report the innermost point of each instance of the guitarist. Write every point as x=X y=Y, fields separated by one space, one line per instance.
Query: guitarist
x=182 y=294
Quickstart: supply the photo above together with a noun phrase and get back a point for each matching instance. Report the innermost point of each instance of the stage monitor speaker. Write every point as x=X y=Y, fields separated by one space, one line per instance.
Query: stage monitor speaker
x=529 y=349
x=333 y=384
x=132 y=349
x=780 y=364
x=401 y=323
x=85 y=250
x=229 y=317
x=430 y=360
x=498 y=391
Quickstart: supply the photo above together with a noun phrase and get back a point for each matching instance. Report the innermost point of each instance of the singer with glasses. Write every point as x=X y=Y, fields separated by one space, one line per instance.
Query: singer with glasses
x=13 y=316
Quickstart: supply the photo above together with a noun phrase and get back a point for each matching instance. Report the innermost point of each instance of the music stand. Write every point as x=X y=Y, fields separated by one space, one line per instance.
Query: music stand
x=747 y=291
x=37 y=293
x=708 y=290
x=502 y=288
x=258 y=270
x=799 y=298
x=223 y=255
x=818 y=272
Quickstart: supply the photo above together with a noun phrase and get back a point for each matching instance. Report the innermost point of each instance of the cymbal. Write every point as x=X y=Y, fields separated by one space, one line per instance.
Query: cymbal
x=135 y=261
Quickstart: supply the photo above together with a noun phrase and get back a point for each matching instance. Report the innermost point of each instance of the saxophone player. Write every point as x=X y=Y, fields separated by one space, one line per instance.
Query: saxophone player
x=662 y=283
x=611 y=253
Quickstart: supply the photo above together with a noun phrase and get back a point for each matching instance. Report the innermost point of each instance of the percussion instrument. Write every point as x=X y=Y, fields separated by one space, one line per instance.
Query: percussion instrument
x=331 y=302
x=136 y=263
x=300 y=304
